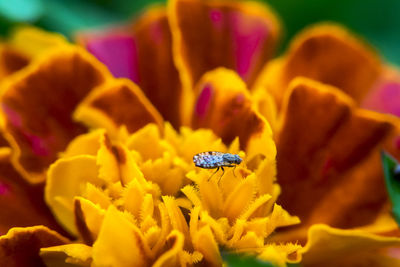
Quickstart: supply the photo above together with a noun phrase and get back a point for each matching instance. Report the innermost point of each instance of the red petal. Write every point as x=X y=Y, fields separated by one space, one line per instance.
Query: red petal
x=38 y=103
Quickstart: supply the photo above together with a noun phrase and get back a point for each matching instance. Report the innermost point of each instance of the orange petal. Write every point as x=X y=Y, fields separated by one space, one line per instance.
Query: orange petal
x=328 y=157
x=21 y=204
x=21 y=246
x=38 y=103
x=334 y=247
x=210 y=34
x=224 y=105
x=158 y=76
x=11 y=60
x=142 y=53
x=329 y=54
x=116 y=103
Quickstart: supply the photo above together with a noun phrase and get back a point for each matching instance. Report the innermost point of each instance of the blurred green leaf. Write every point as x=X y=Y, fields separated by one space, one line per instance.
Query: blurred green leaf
x=67 y=17
x=391 y=170
x=376 y=21
x=243 y=260
x=21 y=10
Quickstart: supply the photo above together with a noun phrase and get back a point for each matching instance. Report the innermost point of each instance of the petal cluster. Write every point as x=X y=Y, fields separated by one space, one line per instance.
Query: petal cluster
x=130 y=192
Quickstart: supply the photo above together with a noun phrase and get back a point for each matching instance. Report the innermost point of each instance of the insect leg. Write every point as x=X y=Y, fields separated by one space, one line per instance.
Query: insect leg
x=213 y=174
x=223 y=171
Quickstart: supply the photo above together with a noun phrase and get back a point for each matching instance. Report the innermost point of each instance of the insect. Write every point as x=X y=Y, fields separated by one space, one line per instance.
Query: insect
x=213 y=159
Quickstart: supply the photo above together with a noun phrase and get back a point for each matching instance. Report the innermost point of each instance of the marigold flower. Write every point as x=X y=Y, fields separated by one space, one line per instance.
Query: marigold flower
x=127 y=191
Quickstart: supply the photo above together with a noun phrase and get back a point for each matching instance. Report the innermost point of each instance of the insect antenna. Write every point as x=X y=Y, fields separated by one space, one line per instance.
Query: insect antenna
x=213 y=174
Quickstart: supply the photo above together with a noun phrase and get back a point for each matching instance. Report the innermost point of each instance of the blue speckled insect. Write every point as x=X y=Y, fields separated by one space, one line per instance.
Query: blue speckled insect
x=212 y=160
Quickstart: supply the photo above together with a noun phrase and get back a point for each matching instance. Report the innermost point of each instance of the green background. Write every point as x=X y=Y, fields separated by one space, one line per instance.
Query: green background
x=378 y=21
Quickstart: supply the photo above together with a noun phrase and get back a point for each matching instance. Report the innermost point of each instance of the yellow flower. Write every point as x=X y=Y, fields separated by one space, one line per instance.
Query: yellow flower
x=128 y=189
x=103 y=189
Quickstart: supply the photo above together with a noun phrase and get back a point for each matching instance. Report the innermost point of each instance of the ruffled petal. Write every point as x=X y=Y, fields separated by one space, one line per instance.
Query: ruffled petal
x=240 y=198
x=165 y=173
x=85 y=144
x=11 y=60
x=56 y=84
x=116 y=103
x=223 y=105
x=143 y=53
x=171 y=257
x=20 y=246
x=329 y=54
x=120 y=243
x=329 y=151
x=66 y=179
x=204 y=242
x=176 y=218
x=334 y=247
x=236 y=35
x=21 y=204
x=88 y=219
x=74 y=254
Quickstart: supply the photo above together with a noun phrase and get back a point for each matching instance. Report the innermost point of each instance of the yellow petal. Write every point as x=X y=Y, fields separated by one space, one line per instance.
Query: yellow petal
x=204 y=242
x=171 y=256
x=74 y=254
x=165 y=173
x=88 y=219
x=165 y=227
x=176 y=217
x=66 y=179
x=256 y=204
x=32 y=41
x=128 y=168
x=211 y=197
x=273 y=255
x=279 y=218
x=96 y=195
x=133 y=198
x=120 y=243
x=107 y=161
x=147 y=142
x=249 y=240
x=239 y=198
x=219 y=228
x=192 y=194
x=265 y=104
x=88 y=144
x=258 y=226
x=266 y=176
x=192 y=142
x=335 y=247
